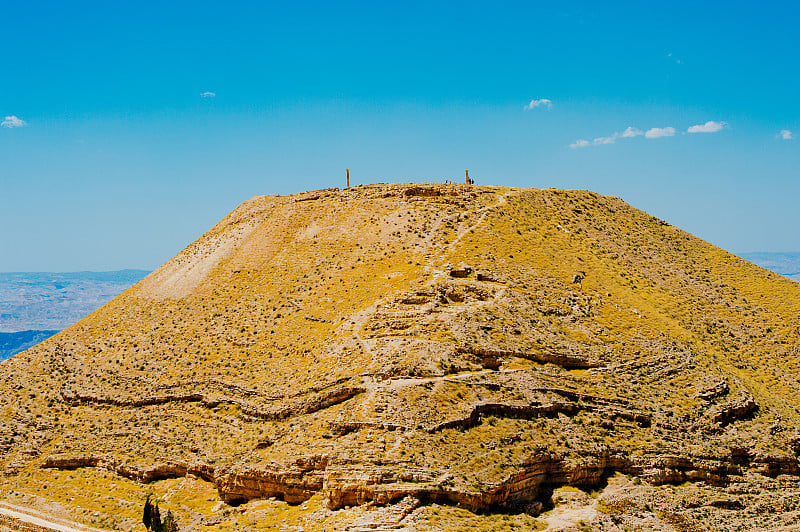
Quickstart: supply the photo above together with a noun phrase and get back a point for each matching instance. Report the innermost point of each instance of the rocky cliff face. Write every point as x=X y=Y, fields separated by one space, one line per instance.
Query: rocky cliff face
x=385 y=354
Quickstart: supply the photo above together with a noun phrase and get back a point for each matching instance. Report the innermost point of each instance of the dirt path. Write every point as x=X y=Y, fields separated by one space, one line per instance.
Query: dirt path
x=570 y=518
x=27 y=519
x=484 y=211
x=429 y=258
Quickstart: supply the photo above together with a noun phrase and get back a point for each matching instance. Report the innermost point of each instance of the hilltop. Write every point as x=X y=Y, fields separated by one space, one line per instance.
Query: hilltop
x=432 y=355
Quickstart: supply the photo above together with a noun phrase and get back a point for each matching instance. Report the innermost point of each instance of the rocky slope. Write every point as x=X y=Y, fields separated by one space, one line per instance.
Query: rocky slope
x=435 y=356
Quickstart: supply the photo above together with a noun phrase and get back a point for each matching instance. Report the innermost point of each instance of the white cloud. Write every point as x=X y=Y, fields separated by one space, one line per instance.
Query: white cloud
x=580 y=144
x=631 y=132
x=599 y=141
x=656 y=132
x=13 y=121
x=708 y=127
x=207 y=94
x=786 y=134
x=543 y=102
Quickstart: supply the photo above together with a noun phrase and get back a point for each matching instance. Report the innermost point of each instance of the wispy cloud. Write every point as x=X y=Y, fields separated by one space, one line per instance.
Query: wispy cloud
x=658 y=132
x=599 y=141
x=708 y=127
x=631 y=132
x=611 y=139
x=785 y=134
x=13 y=121
x=543 y=102
x=208 y=94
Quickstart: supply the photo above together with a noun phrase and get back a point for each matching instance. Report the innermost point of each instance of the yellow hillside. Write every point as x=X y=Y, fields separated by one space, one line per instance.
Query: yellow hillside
x=440 y=356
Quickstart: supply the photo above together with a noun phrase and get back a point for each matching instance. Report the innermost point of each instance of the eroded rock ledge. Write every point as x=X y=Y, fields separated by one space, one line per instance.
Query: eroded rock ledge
x=534 y=410
x=739 y=409
x=146 y=474
x=560 y=359
x=316 y=402
x=350 y=483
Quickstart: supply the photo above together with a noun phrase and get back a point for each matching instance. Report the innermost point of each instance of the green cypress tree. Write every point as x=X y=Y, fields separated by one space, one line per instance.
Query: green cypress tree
x=155 y=519
x=148 y=513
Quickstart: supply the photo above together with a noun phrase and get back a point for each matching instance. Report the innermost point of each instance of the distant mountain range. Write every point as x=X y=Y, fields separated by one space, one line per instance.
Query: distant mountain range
x=36 y=305
x=786 y=264
x=17 y=342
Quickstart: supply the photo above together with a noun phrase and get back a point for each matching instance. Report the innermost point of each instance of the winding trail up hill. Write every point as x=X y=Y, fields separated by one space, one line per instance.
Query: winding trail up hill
x=426 y=355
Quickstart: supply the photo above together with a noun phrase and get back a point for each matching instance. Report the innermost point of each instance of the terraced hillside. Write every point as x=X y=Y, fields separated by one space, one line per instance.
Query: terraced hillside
x=427 y=356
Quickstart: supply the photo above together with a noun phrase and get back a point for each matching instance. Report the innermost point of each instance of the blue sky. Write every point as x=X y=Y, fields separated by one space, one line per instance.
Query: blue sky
x=128 y=129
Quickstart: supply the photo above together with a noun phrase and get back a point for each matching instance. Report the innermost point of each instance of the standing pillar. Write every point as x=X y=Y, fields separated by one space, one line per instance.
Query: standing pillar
x=348 y=177
x=467 y=177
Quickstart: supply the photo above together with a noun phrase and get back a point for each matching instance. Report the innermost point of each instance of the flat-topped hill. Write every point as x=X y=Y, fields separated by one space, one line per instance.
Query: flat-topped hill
x=427 y=355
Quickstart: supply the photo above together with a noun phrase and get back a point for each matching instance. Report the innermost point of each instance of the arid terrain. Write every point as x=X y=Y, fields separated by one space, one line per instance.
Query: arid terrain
x=422 y=357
